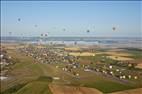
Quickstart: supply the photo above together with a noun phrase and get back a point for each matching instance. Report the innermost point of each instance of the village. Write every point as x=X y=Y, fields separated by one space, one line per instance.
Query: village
x=5 y=63
x=103 y=65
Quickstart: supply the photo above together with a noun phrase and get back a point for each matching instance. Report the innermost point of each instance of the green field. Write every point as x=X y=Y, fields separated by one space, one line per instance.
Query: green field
x=39 y=86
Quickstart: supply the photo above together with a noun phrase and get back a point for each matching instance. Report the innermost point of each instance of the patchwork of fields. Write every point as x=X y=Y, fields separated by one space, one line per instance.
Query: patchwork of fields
x=29 y=76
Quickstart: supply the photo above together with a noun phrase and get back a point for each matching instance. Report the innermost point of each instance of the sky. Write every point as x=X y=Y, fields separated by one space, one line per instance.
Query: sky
x=71 y=18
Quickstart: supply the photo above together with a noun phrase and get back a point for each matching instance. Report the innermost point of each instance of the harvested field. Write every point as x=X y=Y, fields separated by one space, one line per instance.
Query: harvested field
x=139 y=66
x=73 y=90
x=119 y=58
x=82 y=54
x=40 y=46
x=72 y=48
x=116 y=53
x=132 y=91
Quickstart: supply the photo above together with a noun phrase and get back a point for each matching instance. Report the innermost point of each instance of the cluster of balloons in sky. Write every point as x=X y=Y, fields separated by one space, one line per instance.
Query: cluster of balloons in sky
x=64 y=29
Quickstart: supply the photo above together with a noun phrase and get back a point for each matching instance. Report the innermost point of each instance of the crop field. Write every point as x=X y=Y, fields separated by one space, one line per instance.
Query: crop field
x=119 y=58
x=72 y=48
x=82 y=54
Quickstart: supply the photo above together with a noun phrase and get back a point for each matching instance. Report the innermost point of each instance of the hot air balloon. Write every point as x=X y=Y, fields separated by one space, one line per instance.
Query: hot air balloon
x=10 y=33
x=88 y=31
x=64 y=29
x=46 y=35
x=35 y=25
x=75 y=42
x=41 y=34
x=113 y=28
x=19 y=19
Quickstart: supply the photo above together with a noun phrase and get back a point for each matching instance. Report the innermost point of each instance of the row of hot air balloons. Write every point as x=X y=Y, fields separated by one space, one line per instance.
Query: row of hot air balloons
x=44 y=35
x=88 y=31
x=113 y=28
x=64 y=29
